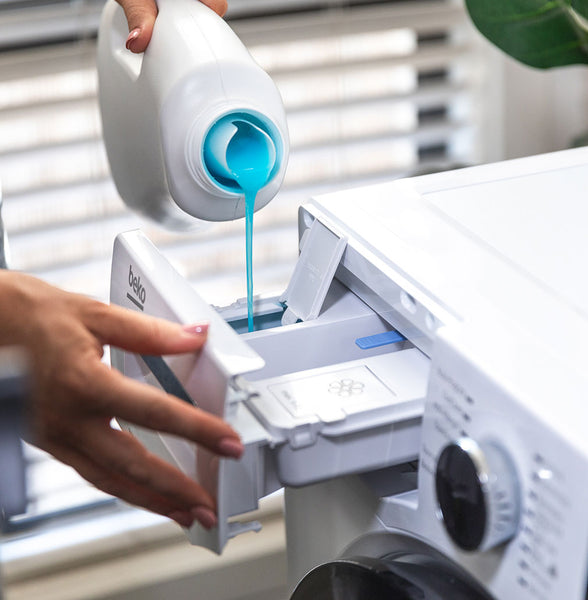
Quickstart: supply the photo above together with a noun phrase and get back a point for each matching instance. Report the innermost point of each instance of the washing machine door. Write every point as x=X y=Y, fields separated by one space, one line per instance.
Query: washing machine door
x=406 y=577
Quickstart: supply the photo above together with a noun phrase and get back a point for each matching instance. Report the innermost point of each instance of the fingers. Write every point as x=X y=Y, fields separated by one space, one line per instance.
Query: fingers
x=118 y=484
x=142 y=334
x=120 y=453
x=152 y=408
x=145 y=405
x=219 y=6
x=141 y=16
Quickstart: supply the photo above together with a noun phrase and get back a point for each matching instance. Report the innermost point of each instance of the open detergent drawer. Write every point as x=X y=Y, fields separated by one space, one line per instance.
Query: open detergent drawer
x=308 y=401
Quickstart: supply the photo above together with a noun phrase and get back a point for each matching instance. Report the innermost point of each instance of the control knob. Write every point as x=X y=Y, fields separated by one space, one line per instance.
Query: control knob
x=478 y=494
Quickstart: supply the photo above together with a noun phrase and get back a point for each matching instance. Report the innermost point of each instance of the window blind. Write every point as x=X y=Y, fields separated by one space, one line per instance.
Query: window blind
x=373 y=90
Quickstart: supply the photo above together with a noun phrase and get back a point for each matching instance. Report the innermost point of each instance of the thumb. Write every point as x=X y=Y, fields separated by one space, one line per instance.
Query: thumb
x=141 y=16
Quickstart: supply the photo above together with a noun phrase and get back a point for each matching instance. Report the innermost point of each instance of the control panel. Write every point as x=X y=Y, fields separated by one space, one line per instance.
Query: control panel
x=496 y=486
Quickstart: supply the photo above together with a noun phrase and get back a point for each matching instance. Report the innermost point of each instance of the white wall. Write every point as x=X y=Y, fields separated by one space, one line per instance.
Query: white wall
x=543 y=110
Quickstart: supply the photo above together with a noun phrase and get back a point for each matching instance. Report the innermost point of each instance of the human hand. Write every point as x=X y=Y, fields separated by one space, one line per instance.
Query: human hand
x=75 y=395
x=141 y=16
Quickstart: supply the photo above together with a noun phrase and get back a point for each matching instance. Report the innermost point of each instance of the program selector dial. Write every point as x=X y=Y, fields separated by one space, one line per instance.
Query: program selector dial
x=478 y=494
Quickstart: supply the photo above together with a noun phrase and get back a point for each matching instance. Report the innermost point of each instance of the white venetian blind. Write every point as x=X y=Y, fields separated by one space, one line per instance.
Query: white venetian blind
x=373 y=90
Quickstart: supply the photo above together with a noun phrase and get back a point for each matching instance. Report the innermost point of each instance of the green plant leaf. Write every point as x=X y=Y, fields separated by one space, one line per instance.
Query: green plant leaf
x=539 y=33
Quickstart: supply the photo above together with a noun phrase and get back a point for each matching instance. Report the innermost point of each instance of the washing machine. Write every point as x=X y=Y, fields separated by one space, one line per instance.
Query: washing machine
x=420 y=389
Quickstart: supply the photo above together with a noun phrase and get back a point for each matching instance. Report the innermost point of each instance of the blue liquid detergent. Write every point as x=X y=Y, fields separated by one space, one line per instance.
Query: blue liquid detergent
x=249 y=208
x=250 y=157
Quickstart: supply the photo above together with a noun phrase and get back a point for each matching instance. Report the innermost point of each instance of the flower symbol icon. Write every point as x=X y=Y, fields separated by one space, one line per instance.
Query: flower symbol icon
x=346 y=387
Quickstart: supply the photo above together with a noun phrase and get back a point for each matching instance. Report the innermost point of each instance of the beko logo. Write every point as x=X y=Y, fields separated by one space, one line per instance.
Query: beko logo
x=138 y=299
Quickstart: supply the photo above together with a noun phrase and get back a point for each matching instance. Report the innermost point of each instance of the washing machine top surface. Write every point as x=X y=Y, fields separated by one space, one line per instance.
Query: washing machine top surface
x=512 y=233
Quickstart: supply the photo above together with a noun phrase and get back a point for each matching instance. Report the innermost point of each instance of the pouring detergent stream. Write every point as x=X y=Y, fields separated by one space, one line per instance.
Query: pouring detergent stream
x=239 y=153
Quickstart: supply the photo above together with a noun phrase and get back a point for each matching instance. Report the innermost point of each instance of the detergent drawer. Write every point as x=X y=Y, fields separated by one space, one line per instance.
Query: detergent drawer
x=341 y=394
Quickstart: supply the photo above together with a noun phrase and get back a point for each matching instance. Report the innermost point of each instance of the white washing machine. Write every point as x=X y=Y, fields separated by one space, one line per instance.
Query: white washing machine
x=424 y=400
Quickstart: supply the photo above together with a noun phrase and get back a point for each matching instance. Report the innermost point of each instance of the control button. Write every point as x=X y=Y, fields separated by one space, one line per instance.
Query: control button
x=477 y=491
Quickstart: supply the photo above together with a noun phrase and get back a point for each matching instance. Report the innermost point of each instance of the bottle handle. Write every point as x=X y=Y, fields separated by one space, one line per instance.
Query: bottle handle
x=182 y=6
x=115 y=29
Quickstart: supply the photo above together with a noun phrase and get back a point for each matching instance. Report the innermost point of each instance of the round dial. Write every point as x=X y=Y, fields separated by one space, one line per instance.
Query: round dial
x=477 y=491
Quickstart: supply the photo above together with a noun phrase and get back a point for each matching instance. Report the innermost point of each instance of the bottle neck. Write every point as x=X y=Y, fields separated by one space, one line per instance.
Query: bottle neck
x=239 y=153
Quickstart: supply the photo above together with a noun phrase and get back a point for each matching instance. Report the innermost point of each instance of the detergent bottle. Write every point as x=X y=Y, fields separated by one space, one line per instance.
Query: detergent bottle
x=193 y=127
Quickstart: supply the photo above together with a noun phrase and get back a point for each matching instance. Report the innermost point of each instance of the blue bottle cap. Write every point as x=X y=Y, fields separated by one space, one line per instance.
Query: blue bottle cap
x=239 y=153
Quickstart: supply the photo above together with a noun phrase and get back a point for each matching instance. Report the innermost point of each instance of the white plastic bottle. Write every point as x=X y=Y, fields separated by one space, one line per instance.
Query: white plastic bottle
x=187 y=122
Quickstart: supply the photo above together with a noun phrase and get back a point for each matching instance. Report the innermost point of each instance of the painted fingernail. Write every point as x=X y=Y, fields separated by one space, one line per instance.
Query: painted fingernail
x=183 y=518
x=196 y=328
x=231 y=447
x=132 y=37
x=204 y=516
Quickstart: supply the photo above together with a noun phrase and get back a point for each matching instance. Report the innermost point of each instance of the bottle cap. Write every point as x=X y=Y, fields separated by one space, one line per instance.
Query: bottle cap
x=239 y=154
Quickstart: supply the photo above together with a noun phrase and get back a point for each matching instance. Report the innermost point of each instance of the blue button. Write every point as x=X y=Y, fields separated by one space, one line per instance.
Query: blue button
x=380 y=339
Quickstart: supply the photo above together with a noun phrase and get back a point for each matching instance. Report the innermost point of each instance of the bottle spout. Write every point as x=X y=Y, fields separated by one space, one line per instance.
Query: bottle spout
x=239 y=154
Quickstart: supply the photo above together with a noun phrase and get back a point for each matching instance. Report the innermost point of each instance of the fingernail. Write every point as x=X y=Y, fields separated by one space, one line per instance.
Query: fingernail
x=204 y=516
x=132 y=37
x=196 y=328
x=231 y=447
x=183 y=518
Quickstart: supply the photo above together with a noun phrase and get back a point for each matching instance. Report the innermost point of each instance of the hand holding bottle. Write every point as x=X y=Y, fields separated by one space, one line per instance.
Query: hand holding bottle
x=141 y=15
